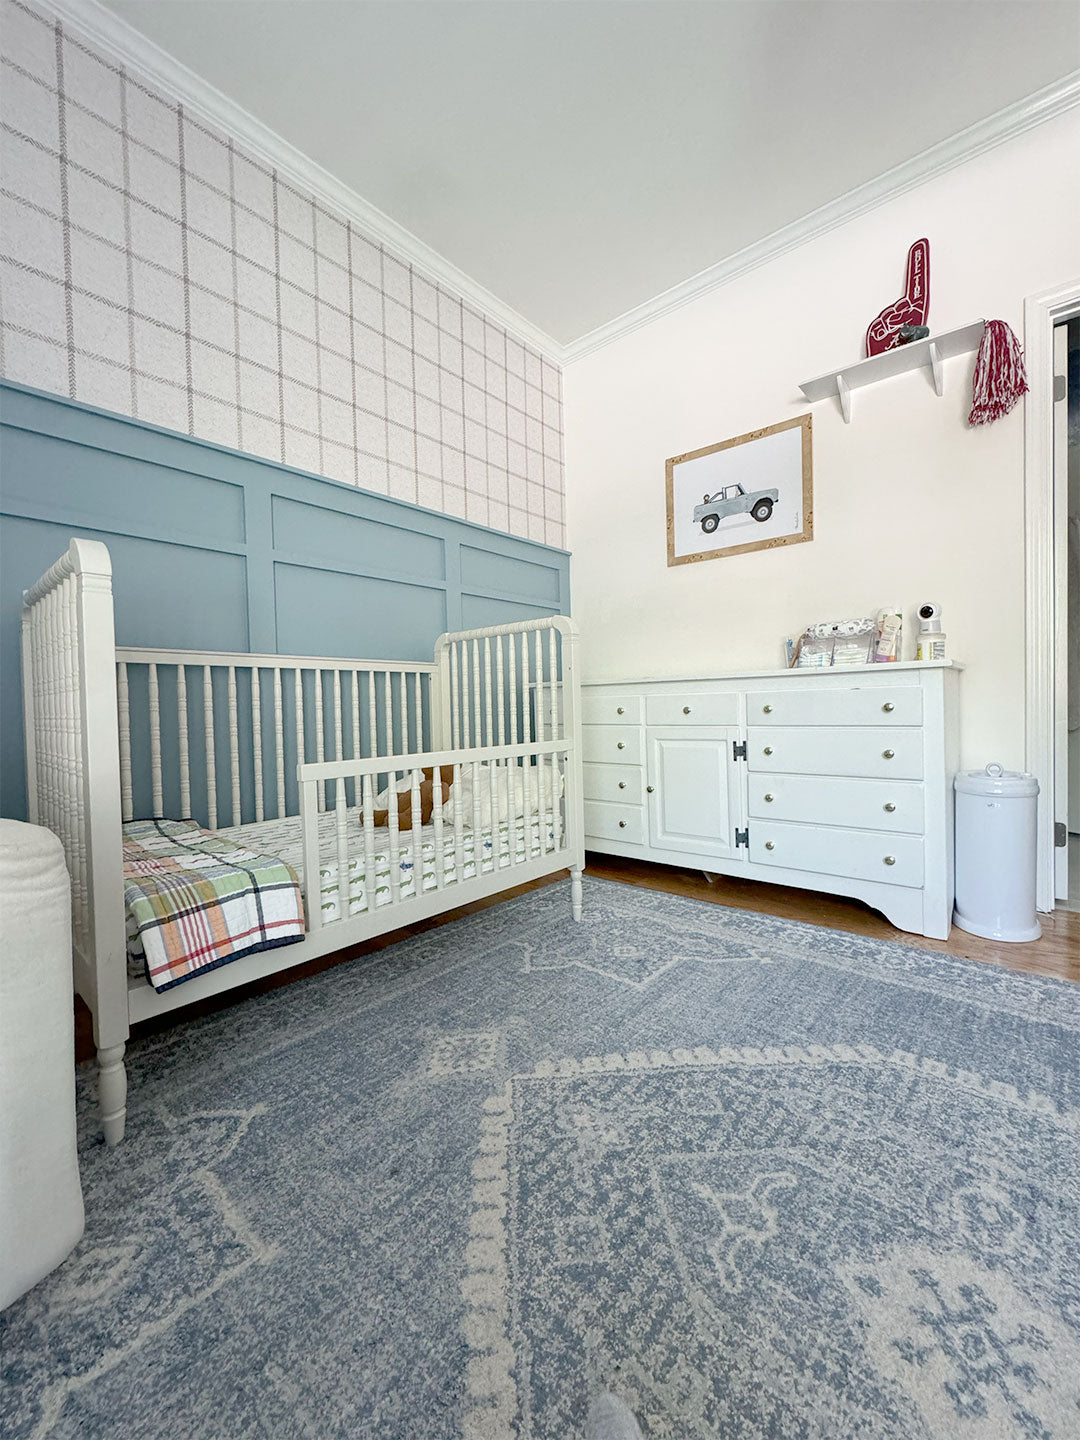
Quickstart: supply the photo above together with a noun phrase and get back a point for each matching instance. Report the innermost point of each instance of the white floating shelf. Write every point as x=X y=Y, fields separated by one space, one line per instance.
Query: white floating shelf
x=928 y=353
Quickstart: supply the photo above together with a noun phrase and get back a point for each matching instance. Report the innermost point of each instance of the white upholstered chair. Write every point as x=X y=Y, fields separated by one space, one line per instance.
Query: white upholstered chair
x=41 y=1206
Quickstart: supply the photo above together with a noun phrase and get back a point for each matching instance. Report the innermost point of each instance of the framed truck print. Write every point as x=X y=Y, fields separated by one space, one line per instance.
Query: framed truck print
x=751 y=493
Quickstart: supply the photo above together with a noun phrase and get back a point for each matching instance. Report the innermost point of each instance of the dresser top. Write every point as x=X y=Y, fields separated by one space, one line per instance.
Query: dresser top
x=817 y=671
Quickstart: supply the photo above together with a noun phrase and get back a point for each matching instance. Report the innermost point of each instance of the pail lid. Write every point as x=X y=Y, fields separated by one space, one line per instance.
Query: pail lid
x=996 y=780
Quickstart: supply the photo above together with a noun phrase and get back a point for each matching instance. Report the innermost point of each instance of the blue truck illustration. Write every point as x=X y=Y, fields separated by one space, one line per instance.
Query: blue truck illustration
x=734 y=500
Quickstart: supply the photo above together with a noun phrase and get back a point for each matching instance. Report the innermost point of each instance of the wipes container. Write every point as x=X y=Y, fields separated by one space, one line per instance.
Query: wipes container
x=995 y=853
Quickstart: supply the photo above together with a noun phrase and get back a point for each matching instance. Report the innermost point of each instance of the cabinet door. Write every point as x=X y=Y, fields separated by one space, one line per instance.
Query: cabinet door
x=694 y=802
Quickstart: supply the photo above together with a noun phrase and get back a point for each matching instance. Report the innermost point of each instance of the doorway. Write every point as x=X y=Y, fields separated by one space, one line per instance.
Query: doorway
x=1067 y=518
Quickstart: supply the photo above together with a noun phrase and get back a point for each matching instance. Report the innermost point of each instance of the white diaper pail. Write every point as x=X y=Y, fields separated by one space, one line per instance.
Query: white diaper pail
x=995 y=853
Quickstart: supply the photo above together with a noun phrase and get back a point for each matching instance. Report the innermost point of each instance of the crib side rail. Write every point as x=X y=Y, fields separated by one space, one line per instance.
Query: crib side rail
x=216 y=736
x=509 y=809
x=73 y=780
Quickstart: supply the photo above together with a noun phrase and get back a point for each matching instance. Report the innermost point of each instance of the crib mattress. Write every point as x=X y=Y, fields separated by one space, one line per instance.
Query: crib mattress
x=518 y=839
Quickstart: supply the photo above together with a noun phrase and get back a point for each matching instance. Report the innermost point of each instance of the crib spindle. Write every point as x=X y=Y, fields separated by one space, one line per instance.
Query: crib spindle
x=124 y=716
x=337 y=729
x=256 y=741
x=155 y=741
x=417 y=836
x=373 y=713
x=320 y=738
x=477 y=821
x=279 y=742
x=418 y=713
x=459 y=826
x=437 y=822
x=234 y=749
x=489 y=737
x=501 y=696
x=478 y=723
x=512 y=649
x=356 y=730
x=388 y=713
x=370 y=881
x=455 y=700
x=393 y=833
x=211 y=758
x=185 y=752
x=466 y=717
x=341 y=815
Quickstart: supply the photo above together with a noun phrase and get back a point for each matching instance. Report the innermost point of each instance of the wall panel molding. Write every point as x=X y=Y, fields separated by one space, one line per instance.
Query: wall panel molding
x=386 y=593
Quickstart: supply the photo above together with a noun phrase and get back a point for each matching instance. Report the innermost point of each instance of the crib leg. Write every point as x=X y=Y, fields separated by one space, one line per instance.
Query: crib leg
x=575 y=891
x=112 y=1092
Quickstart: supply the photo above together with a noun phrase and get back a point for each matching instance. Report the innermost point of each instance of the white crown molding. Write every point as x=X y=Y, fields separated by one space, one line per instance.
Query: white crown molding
x=1004 y=125
x=128 y=46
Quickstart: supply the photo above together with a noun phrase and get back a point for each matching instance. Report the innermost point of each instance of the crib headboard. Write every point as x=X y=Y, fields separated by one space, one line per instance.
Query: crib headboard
x=69 y=708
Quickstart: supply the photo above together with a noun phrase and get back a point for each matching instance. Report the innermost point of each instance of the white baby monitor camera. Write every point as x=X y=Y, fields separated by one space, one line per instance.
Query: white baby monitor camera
x=929 y=618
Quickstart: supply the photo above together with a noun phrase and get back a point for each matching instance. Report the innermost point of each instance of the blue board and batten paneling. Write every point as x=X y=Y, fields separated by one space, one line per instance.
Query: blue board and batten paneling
x=216 y=550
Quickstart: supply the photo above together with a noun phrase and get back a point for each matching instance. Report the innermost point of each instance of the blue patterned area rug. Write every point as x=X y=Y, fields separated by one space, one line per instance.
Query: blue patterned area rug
x=751 y=1178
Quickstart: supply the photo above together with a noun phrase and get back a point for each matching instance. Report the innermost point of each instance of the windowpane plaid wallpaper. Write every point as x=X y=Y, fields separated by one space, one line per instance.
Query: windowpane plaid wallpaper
x=149 y=266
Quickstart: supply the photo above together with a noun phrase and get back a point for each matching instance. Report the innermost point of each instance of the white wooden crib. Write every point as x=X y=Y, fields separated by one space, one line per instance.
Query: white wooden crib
x=239 y=739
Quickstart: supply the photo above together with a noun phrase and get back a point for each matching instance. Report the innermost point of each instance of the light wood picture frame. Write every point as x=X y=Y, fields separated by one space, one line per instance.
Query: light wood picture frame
x=755 y=492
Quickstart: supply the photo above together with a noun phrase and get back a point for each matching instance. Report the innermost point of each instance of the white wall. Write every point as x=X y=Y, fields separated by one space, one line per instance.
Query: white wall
x=909 y=504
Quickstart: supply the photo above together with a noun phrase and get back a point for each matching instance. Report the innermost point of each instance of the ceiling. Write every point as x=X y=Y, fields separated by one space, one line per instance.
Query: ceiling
x=578 y=157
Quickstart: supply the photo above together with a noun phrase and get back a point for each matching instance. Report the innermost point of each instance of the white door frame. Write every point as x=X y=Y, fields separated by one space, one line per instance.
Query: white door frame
x=1041 y=313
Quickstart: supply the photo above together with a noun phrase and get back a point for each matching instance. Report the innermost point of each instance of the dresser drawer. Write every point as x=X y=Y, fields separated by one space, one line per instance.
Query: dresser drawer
x=605 y=709
x=614 y=822
x=612 y=744
x=893 y=805
x=622 y=783
x=890 y=754
x=835 y=706
x=692 y=709
x=856 y=854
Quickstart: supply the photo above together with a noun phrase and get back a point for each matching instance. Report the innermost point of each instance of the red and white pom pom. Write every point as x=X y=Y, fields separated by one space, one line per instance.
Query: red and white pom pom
x=1000 y=379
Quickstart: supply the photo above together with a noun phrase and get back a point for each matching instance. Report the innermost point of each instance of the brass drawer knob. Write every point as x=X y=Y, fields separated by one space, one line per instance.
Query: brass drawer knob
x=623 y=747
x=686 y=709
x=887 y=754
x=888 y=707
x=622 y=824
x=648 y=789
x=890 y=859
x=767 y=709
x=769 y=845
x=888 y=807
x=619 y=710
x=767 y=750
x=622 y=784
x=768 y=799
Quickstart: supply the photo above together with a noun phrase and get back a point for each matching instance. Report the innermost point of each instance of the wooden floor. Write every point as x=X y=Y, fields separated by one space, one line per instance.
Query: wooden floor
x=1056 y=954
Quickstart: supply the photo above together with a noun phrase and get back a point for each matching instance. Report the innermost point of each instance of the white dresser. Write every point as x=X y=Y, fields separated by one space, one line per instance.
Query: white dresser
x=831 y=780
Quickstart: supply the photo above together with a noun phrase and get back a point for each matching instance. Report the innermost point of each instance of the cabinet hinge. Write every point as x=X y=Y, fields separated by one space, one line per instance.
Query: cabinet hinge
x=742 y=837
x=1061 y=834
x=739 y=748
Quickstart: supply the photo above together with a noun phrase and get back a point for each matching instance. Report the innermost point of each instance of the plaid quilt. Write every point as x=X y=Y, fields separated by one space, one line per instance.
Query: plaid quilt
x=197 y=901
